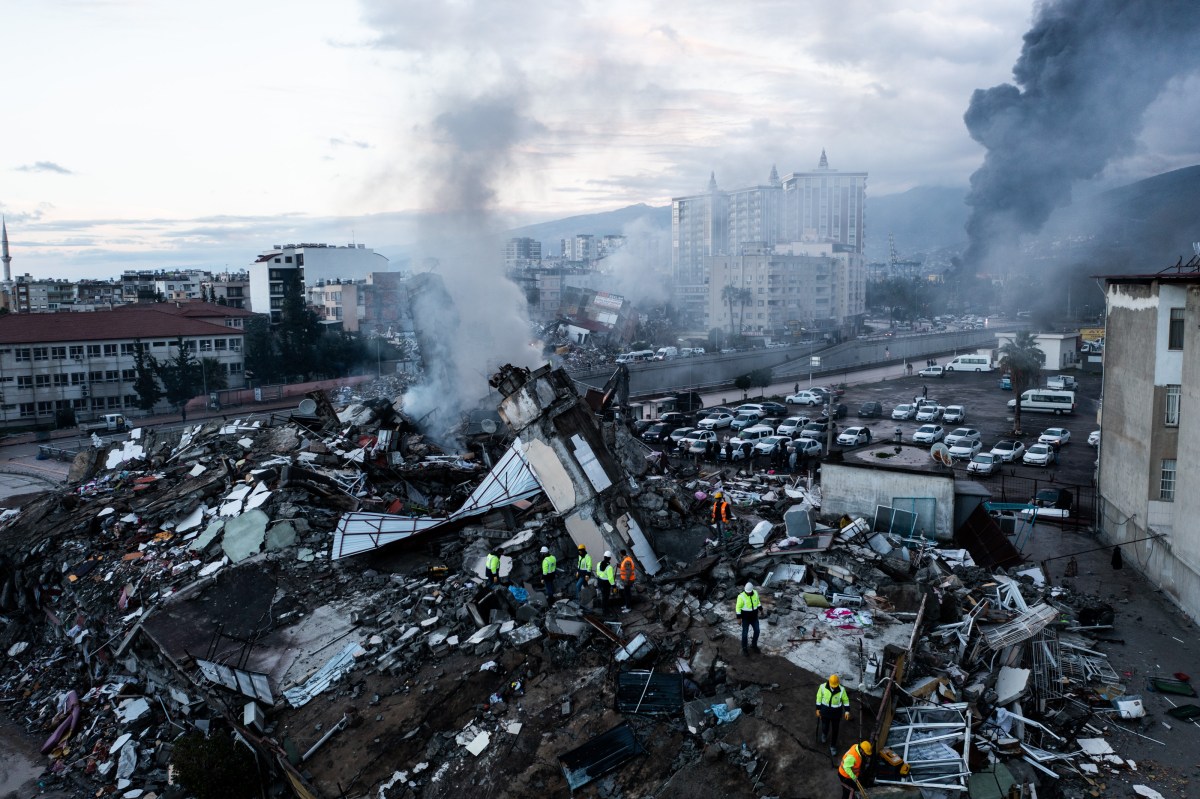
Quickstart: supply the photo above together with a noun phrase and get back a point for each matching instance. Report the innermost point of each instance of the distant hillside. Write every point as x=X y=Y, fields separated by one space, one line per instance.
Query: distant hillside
x=641 y=217
x=922 y=220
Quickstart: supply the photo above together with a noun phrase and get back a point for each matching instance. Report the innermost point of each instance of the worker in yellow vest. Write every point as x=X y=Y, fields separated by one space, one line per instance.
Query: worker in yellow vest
x=850 y=769
x=833 y=704
x=747 y=610
x=605 y=582
x=492 y=566
x=583 y=570
x=549 y=567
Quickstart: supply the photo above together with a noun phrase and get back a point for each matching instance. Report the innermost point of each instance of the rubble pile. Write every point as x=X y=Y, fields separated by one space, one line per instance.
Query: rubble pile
x=317 y=586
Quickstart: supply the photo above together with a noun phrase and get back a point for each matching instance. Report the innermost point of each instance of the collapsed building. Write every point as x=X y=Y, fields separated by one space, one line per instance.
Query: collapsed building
x=314 y=586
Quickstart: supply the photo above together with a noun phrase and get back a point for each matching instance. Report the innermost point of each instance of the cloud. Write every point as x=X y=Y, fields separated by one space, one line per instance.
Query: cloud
x=45 y=166
x=362 y=145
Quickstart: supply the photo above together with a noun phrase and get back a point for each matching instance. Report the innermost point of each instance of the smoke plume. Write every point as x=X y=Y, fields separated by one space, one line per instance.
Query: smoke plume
x=1087 y=72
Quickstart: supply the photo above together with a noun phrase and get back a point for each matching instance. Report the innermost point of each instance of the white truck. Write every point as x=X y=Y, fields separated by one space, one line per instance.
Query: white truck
x=1061 y=382
x=108 y=423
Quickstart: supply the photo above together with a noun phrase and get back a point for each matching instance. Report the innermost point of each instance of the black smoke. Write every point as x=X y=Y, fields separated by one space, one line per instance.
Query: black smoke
x=1087 y=72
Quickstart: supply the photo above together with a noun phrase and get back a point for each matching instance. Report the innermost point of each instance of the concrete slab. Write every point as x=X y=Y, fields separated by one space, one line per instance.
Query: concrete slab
x=281 y=536
x=205 y=538
x=244 y=535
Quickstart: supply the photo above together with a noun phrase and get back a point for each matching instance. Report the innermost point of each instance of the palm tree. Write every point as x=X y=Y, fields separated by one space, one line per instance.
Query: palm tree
x=745 y=297
x=731 y=294
x=1023 y=359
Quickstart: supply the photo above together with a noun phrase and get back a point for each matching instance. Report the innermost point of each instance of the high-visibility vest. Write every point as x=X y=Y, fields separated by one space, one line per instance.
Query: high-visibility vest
x=720 y=511
x=549 y=565
x=627 y=571
x=828 y=697
x=748 y=602
x=851 y=762
x=584 y=564
x=493 y=564
x=605 y=573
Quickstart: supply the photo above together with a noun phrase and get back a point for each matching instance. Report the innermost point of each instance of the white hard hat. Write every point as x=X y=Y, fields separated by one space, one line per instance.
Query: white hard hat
x=545 y=550
x=749 y=588
x=607 y=554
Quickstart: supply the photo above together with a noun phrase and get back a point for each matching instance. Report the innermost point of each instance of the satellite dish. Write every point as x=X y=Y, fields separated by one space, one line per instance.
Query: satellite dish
x=941 y=453
x=308 y=407
x=488 y=426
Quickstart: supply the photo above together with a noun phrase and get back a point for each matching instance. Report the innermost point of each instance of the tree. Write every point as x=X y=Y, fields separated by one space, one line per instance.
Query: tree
x=262 y=359
x=145 y=381
x=731 y=294
x=1023 y=360
x=215 y=767
x=760 y=379
x=743 y=382
x=180 y=375
x=213 y=375
x=298 y=331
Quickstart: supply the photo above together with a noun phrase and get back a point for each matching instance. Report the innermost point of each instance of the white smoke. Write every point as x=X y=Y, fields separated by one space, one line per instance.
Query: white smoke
x=639 y=270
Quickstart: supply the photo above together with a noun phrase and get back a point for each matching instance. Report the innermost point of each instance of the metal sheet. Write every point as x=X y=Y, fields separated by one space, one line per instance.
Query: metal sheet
x=600 y=755
x=649 y=692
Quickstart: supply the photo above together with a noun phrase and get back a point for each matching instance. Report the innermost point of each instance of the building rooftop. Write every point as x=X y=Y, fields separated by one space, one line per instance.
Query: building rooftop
x=118 y=323
x=192 y=309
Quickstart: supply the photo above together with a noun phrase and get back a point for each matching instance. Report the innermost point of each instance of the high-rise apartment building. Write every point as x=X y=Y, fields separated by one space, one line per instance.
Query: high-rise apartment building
x=825 y=205
x=273 y=270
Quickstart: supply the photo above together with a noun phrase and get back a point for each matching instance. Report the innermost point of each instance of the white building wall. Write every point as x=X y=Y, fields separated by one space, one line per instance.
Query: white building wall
x=856 y=491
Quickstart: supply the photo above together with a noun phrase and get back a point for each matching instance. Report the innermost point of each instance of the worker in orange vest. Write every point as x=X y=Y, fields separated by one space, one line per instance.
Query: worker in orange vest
x=626 y=574
x=850 y=770
x=720 y=512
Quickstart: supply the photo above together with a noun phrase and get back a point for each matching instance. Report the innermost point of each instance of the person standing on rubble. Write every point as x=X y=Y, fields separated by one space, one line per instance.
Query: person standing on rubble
x=720 y=512
x=833 y=704
x=626 y=573
x=605 y=581
x=850 y=769
x=583 y=570
x=747 y=607
x=492 y=565
x=549 y=567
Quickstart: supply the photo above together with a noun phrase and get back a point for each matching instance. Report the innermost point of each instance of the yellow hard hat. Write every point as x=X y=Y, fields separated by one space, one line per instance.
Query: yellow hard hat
x=718 y=495
x=866 y=747
x=582 y=547
x=833 y=681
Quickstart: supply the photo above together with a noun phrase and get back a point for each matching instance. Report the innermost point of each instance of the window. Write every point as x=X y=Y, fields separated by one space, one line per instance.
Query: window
x=1175 y=331
x=112 y=376
x=61 y=379
x=41 y=381
x=97 y=403
x=235 y=345
x=110 y=350
x=45 y=408
x=27 y=409
x=58 y=353
x=129 y=375
x=96 y=377
x=220 y=344
x=131 y=400
x=206 y=345
x=235 y=368
x=131 y=349
x=24 y=381
x=78 y=378
x=77 y=352
x=23 y=354
x=1166 y=481
x=41 y=353
x=93 y=350
x=1171 y=416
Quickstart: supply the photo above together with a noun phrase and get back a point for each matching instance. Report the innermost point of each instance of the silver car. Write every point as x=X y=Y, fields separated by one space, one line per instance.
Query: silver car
x=928 y=434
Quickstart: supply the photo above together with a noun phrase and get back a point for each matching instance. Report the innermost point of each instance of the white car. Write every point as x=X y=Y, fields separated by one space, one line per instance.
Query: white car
x=983 y=463
x=901 y=412
x=965 y=449
x=696 y=442
x=715 y=421
x=854 y=437
x=930 y=413
x=1094 y=438
x=809 y=398
x=745 y=419
x=928 y=434
x=1055 y=435
x=808 y=446
x=791 y=425
x=955 y=414
x=933 y=371
x=962 y=435
x=768 y=445
x=1008 y=450
x=1037 y=455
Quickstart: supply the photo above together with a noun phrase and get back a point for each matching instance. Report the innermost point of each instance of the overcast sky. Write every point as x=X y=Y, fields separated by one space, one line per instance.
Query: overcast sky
x=161 y=133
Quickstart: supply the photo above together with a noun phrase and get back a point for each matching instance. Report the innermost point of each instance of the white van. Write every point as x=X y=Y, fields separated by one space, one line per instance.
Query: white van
x=1046 y=400
x=666 y=353
x=970 y=363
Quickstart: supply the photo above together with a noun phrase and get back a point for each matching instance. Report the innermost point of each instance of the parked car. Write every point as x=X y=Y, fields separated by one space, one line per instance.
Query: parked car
x=1062 y=382
x=965 y=449
x=1006 y=383
x=679 y=434
x=1059 y=498
x=676 y=418
x=745 y=419
x=962 y=435
x=768 y=445
x=983 y=463
x=1008 y=450
x=854 y=437
x=808 y=446
x=659 y=432
x=773 y=409
x=1055 y=435
x=751 y=407
x=791 y=425
x=739 y=449
x=933 y=371
x=809 y=398
x=642 y=425
x=1094 y=438
x=1037 y=455
x=928 y=434
x=955 y=414
x=906 y=411
x=715 y=421
x=930 y=413
x=835 y=391
x=840 y=411
x=815 y=430
x=696 y=442
x=870 y=410
x=756 y=433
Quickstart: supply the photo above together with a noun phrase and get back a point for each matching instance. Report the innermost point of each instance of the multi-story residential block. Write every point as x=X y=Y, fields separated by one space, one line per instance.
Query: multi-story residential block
x=699 y=227
x=385 y=304
x=86 y=362
x=341 y=303
x=522 y=252
x=1150 y=429
x=231 y=289
x=825 y=205
x=312 y=263
x=177 y=285
x=580 y=247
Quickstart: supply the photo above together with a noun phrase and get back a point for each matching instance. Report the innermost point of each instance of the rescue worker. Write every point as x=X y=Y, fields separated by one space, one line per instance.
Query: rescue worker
x=583 y=570
x=492 y=566
x=605 y=581
x=549 y=567
x=626 y=573
x=833 y=704
x=747 y=610
x=850 y=769
x=720 y=512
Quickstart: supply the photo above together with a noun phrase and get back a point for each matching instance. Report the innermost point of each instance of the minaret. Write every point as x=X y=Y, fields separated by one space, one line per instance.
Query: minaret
x=712 y=181
x=4 y=256
x=824 y=164
x=773 y=178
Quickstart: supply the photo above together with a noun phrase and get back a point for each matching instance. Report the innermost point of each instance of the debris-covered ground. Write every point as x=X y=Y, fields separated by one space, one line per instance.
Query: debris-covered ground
x=316 y=587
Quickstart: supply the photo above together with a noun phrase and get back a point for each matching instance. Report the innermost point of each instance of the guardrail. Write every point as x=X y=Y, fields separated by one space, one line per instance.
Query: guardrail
x=47 y=452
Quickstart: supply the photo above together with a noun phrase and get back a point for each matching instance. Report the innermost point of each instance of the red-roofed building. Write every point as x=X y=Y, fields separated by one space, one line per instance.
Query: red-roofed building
x=85 y=362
